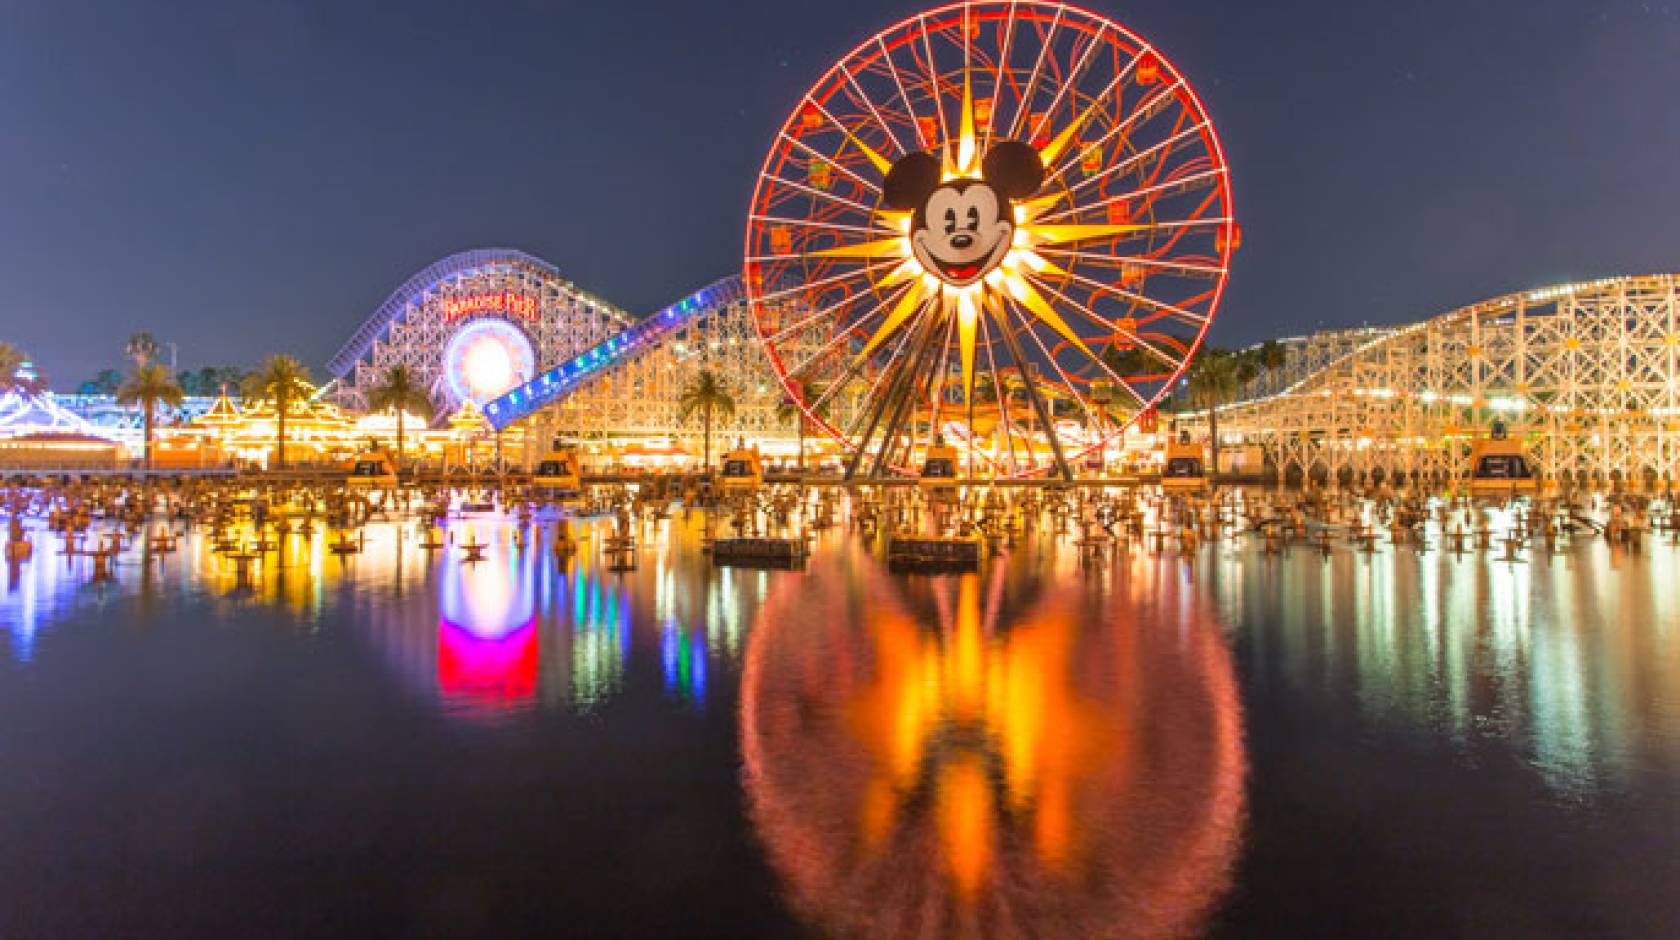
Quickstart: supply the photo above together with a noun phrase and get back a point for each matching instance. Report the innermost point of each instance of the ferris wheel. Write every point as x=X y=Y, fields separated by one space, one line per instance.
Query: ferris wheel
x=1003 y=227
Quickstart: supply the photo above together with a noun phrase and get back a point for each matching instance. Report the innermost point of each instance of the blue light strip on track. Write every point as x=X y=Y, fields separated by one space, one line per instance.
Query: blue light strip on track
x=565 y=378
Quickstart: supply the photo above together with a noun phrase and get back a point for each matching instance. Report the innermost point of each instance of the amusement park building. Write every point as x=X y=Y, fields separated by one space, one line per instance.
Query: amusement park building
x=1585 y=375
x=571 y=365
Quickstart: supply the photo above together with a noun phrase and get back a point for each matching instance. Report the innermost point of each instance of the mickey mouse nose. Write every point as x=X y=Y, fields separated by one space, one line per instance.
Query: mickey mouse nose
x=961 y=241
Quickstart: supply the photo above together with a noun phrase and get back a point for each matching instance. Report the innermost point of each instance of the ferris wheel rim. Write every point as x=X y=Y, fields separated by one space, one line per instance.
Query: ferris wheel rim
x=845 y=71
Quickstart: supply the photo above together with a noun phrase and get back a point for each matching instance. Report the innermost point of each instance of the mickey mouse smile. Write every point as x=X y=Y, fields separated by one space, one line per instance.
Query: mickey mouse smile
x=956 y=272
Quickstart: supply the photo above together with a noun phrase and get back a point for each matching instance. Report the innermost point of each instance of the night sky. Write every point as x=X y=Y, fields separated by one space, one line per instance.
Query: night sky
x=250 y=177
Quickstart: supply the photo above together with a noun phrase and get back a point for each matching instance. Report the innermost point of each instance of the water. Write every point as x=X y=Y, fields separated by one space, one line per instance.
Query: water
x=1398 y=742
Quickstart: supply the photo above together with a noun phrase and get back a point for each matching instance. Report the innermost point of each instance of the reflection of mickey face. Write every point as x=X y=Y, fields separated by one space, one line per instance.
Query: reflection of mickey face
x=961 y=230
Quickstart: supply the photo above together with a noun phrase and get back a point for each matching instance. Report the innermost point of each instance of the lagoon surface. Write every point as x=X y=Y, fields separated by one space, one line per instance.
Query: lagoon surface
x=1227 y=742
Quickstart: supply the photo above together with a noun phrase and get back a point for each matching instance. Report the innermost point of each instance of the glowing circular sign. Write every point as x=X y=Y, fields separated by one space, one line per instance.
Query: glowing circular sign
x=485 y=358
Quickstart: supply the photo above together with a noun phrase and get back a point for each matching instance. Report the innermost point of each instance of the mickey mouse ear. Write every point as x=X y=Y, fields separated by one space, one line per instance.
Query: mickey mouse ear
x=910 y=181
x=1013 y=169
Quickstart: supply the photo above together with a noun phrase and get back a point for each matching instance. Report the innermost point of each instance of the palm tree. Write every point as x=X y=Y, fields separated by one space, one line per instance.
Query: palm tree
x=1271 y=355
x=400 y=390
x=284 y=380
x=11 y=360
x=1132 y=363
x=789 y=410
x=1216 y=375
x=151 y=386
x=142 y=348
x=1267 y=358
x=706 y=394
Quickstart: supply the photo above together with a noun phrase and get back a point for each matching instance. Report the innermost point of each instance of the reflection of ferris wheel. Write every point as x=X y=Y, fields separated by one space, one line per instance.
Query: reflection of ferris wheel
x=1006 y=225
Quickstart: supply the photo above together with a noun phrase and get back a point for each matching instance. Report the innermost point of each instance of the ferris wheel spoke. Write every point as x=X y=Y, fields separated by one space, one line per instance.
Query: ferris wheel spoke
x=1194 y=319
x=1078 y=71
x=812 y=223
x=964 y=29
x=997 y=389
x=868 y=403
x=936 y=396
x=1159 y=151
x=866 y=269
x=1068 y=384
x=1148 y=194
x=828 y=311
x=965 y=140
x=1030 y=384
x=893 y=399
x=1119 y=262
x=1177 y=268
x=1123 y=129
x=842 y=335
x=1151 y=227
x=904 y=96
x=1023 y=106
x=875 y=112
x=813 y=152
x=881 y=163
x=933 y=82
x=1115 y=328
x=997 y=81
x=821 y=194
x=1061 y=162
x=832 y=388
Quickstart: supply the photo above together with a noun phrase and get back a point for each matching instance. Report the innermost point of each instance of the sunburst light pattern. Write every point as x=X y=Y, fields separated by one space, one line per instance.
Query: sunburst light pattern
x=1006 y=226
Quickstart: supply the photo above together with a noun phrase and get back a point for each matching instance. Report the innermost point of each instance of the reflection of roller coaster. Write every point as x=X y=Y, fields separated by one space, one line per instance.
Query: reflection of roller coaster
x=1586 y=376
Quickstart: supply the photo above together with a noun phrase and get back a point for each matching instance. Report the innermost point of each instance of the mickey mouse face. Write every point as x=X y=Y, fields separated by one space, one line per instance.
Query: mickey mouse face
x=960 y=230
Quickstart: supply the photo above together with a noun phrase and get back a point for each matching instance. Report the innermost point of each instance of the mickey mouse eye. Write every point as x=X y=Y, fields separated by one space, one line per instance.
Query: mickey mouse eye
x=950 y=221
x=974 y=218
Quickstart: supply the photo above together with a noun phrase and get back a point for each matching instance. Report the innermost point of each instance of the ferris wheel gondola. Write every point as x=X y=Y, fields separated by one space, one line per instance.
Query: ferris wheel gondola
x=1005 y=224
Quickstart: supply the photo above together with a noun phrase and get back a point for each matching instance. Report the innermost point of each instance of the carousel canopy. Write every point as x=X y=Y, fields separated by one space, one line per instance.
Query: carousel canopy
x=26 y=413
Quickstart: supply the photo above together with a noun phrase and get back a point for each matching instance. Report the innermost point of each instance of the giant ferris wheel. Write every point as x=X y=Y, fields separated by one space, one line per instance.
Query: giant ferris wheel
x=999 y=226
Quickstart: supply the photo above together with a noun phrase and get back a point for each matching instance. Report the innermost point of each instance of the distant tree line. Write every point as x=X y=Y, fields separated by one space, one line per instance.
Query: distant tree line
x=145 y=351
x=207 y=381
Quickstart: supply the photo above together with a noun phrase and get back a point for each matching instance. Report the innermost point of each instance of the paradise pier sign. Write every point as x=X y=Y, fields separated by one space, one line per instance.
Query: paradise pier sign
x=513 y=303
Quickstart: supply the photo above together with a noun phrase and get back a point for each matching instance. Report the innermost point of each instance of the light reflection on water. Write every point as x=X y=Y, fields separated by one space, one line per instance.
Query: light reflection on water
x=1568 y=658
x=1040 y=744
x=982 y=757
x=524 y=628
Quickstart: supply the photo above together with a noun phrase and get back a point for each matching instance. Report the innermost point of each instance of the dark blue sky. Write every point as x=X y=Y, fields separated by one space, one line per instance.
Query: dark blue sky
x=250 y=177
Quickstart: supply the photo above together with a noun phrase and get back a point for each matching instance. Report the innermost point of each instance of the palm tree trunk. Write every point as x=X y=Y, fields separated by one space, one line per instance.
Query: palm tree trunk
x=399 y=439
x=706 y=466
x=280 y=432
x=1213 y=433
x=802 y=442
x=150 y=405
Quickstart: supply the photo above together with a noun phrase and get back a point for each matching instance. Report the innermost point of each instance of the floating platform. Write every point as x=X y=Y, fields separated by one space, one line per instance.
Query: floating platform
x=762 y=552
x=942 y=553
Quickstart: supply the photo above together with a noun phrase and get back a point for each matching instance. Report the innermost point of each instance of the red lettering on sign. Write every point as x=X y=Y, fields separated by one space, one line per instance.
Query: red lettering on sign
x=512 y=303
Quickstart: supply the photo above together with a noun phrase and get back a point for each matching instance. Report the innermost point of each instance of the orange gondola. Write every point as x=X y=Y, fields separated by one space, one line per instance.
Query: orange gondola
x=1148 y=70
